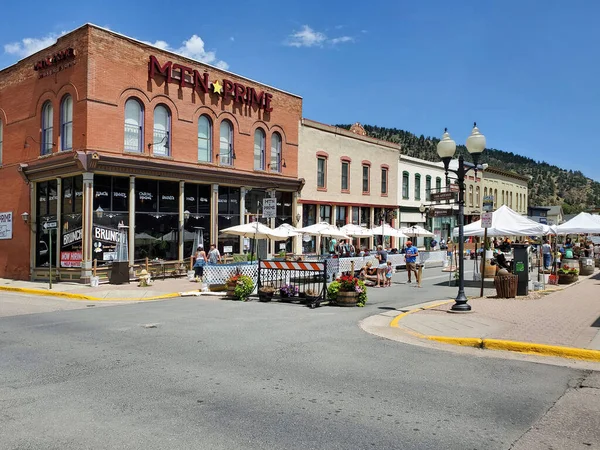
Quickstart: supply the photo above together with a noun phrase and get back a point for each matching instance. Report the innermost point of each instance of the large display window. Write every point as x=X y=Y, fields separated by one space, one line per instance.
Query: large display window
x=229 y=216
x=47 y=206
x=71 y=222
x=309 y=217
x=284 y=215
x=156 y=219
x=111 y=208
x=197 y=204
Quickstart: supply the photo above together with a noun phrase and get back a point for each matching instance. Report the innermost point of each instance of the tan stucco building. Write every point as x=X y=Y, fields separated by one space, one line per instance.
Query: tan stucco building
x=349 y=178
x=507 y=188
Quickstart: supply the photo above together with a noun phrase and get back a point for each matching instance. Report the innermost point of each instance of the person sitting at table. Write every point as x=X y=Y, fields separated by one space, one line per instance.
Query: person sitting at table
x=368 y=274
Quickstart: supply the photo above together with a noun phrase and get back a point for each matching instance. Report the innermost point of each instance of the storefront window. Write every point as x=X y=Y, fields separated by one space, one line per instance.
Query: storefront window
x=47 y=204
x=229 y=216
x=325 y=213
x=197 y=202
x=111 y=208
x=356 y=215
x=365 y=217
x=156 y=219
x=309 y=217
x=340 y=219
x=284 y=215
x=71 y=223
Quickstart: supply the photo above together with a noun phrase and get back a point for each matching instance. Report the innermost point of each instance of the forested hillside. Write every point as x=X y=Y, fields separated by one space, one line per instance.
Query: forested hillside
x=549 y=185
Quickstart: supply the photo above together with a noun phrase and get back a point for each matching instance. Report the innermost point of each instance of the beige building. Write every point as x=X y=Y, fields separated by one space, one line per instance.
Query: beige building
x=349 y=178
x=507 y=188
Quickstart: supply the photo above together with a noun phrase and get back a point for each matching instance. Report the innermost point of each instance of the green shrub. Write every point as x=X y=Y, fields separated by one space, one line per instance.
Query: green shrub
x=243 y=287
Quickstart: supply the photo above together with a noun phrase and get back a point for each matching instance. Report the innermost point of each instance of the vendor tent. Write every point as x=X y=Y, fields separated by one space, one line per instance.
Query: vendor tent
x=416 y=231
x=505 y=222
x=581 y=223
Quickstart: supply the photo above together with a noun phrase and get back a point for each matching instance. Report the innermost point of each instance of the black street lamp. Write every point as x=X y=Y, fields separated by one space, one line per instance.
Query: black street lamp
x=446 y=149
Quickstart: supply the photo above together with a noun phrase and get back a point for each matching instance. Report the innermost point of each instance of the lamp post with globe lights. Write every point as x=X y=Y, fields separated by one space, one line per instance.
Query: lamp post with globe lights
x=446 y=148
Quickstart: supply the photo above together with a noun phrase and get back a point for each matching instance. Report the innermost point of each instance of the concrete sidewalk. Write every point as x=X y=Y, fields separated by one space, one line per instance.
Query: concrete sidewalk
x=160 y=289
x=564 y=322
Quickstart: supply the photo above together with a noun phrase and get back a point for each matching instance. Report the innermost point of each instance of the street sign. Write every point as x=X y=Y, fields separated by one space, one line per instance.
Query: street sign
x=488 y=203
x=50 y=225
x=441 y=196
x=445 y=212
x=269 y=208
x=454 y=187
x=486 y=220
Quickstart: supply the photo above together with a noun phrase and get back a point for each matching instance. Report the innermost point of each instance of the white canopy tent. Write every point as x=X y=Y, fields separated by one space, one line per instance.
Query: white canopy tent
x=580 y=224
x=505 y=222
x=356 y=230
x=416 y=231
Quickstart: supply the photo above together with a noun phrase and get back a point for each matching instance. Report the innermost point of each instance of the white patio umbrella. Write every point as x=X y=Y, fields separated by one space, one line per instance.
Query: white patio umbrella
x=386 y=230
x=286 y=231
x=254 y=230
x=324 y=229
x=416 y=231
x=356 y=230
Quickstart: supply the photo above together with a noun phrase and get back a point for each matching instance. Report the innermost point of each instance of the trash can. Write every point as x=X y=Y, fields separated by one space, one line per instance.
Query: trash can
x=586 y=266
x=506 y=285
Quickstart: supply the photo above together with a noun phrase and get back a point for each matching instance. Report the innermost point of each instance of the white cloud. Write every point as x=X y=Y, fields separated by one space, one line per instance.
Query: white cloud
x=341 y=40
x=307 y=37
x=28 y=46
x=193 y=48
x=232 y=39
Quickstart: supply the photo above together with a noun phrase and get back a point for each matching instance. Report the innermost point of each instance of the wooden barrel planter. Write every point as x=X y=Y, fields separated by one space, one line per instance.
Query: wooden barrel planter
x=567 y=278
x=506 y=285
x=231 y=290
x=346 y=298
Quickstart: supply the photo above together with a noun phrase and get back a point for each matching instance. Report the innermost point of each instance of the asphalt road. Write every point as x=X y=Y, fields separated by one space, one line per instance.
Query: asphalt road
x=216 y=374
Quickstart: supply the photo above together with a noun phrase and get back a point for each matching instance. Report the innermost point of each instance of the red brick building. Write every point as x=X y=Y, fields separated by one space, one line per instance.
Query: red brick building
x=100 y=130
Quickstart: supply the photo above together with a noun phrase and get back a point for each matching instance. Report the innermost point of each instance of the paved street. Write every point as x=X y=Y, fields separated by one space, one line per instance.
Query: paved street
x=216 y=374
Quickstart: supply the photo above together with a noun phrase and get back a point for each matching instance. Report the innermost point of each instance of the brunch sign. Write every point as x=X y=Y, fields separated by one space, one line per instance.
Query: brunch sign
x=188 y=77
x=55 y=63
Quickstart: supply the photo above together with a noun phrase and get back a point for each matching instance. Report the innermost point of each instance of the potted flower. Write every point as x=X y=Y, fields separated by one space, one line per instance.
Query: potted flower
x=231 y=283
x=265 y=293
x=312 y=298
x=567 y=276
x=348 y=291
x=243 y=287
x=287 y=291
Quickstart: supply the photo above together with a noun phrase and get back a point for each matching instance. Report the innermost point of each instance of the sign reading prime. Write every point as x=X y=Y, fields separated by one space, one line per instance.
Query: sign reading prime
x=6 y=222
x=188 y=77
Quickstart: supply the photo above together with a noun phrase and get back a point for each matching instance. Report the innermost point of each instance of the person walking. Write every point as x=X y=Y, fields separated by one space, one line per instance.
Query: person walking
x=546 y=254
x=411 y=261
x=381 y=268
x=388 y=274
x=200 y=262
x=214 y=257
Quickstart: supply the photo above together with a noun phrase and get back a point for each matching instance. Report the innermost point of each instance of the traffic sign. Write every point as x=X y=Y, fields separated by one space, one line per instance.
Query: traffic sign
x=269 y=208
x=50 y=225
x=486 y=220
x=441 y=196
x=488 y=203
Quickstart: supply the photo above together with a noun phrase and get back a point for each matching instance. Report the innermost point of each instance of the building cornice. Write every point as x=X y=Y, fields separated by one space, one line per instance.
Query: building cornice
x=343 y=132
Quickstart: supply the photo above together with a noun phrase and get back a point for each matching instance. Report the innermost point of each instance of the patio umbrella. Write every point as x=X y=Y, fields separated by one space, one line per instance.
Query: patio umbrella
x=416 y=231
x=144 y=238
x=286 y=231
x=356 y=230
x=386 y=230
x=324 y=229
x=254 y=230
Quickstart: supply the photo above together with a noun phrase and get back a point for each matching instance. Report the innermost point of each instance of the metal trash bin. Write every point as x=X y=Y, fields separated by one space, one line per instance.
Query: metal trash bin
x=506 y=285
x=586 y=266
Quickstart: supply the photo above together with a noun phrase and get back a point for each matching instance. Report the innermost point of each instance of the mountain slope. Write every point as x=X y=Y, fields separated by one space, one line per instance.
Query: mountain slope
x=549 y=185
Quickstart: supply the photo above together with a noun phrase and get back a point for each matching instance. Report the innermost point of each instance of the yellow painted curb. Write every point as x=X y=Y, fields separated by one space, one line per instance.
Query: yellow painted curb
x=81 y=296
x=542 y=349
x=500 y=344
x=466 y=342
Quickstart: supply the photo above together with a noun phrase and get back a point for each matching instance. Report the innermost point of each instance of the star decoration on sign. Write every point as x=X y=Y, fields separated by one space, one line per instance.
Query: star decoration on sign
x=217 y=88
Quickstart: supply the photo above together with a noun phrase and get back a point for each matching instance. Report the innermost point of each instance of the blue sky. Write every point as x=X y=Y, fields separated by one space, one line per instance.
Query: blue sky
x=527 y=71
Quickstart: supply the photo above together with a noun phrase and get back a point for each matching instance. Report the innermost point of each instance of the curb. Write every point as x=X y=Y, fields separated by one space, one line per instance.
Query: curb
x=82 y=296
x=502 y=344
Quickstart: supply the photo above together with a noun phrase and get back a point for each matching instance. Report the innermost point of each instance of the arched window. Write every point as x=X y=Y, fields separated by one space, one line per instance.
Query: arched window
x=417 y=186
x=226 y=153
x=477 y=197
x=502 y=197
x=471 y=196
x=495 y=198
x=485 y=192
x=428 y=188
x=259 y=149
x=47 y=120
x=276 y=152
x=405 y=185
x=66 y=123
x=204 y=139
x=511 y=198
x=134 y=126
x=162 y=126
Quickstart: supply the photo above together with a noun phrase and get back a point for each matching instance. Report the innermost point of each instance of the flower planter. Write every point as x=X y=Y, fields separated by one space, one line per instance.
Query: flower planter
x=230 y=290
x=567 y=278
x=265 y=296
x=347 y=298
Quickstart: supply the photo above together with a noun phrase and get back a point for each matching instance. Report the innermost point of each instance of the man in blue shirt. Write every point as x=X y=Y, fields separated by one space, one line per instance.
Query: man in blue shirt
x=411 y=261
